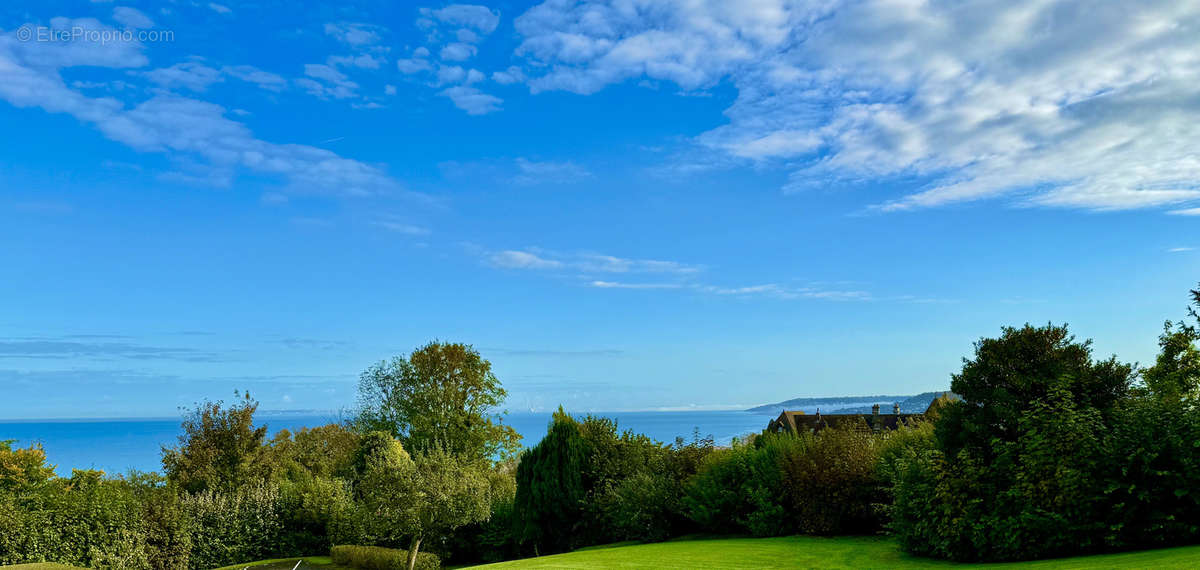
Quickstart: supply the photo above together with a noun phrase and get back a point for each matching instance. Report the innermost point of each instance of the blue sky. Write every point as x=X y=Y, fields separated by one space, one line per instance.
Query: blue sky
x=623 y=205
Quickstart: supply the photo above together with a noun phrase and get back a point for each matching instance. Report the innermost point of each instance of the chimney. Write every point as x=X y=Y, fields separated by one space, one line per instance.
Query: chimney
x=896 y=408
x=875 y=410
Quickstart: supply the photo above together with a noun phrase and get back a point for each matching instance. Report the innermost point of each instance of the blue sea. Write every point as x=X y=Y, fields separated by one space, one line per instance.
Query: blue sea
x=118 y=445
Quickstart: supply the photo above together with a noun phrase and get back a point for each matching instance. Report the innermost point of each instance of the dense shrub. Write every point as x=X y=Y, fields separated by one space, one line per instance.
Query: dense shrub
x=379 y=558
x=85 y=520
x=740 y=489
x=1046 y=447
x=831 y=481
x=1153 y=485
x=235 y=526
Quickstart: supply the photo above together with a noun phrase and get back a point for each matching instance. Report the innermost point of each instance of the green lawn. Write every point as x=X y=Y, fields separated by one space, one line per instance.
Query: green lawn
x=813 y=552
x=314 y=562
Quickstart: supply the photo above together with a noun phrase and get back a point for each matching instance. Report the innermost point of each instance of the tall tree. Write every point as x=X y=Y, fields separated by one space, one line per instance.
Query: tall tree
x=550 y=487
x=442 y=396
x=220 y=447
x=1008 y=374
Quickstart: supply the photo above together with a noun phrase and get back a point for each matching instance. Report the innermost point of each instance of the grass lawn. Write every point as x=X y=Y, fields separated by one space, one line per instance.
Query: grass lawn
x=814 y=552
x=307 y=562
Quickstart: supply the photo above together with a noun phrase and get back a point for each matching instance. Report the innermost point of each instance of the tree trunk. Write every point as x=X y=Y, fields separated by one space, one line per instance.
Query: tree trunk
x=412 y=551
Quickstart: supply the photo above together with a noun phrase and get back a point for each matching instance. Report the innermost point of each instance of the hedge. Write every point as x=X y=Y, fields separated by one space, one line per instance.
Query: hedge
x=379 y=558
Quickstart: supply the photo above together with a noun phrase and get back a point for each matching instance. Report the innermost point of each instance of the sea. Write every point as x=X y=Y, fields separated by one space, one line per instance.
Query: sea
x=122 y=444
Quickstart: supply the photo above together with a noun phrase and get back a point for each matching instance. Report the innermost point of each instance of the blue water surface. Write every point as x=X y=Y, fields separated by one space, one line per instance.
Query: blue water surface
x=118 y=445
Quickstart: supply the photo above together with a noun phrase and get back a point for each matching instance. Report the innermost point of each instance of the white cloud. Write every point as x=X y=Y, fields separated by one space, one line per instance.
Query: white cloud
x=509 y=76
x=190 y=75
x=250 y=74
x=784 y=292
x=1180 y=249
x=362 y=60
x=534 y=172
x=512 y=259
x=354 y=33
x=197 y=76
x=618 y=285
x=132 y=18
x=1185 y=212
x=585 y=262
x=472 y=100
x=327 y=82
x=196 y=134
x=457 y=51
x=1063 y=103
x=219 y=8
x=413 y=65
x=401 y=227
x=473 y=16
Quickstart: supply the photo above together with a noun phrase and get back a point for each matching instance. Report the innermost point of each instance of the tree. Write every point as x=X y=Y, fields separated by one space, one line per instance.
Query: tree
x=219 y=449
x=1008 y=374
x=427 y=496
x=23 y=469
x=442 y=396
x=1176 y=371
x=550 y=486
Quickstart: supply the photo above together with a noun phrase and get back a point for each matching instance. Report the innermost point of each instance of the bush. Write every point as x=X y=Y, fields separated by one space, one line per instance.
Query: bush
x=741 y=489
x=380 y=558
x=831 y=482
x=229 y=527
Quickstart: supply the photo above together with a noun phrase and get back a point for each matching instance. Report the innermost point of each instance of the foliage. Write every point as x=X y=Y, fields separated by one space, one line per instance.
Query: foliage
x=491 y=540
x=429 y=496
x=1009 y=373
x=831 y=481
x=379 y=558
x=377 y=448
x=23 y=470
x=550 y=487
x=1153 y=491
x=442 y=395
x=322 y=451
x=741 y=489
x=1176 y=371
x=1018 y=466
x=219 y=449
x=229 y=526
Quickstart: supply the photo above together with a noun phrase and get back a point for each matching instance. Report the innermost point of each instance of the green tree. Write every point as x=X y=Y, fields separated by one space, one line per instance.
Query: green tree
x=551 y=488
x=1008 y=374
x=219 y=449
x=428 y=496
x=1176 y=371
x=443 y=395
x=23 y=469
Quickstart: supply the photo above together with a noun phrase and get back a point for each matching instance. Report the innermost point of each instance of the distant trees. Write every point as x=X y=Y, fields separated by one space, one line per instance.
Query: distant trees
x=443 y=396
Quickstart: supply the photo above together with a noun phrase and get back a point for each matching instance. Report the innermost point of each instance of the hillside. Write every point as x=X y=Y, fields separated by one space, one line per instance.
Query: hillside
x=830 y=404
x=853 y=404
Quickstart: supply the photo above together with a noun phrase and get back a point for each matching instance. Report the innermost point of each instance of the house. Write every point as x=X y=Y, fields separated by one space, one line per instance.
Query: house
x=799 y=422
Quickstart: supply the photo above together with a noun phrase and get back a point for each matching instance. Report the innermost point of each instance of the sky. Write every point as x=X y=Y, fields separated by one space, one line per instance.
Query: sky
x=623 y=205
